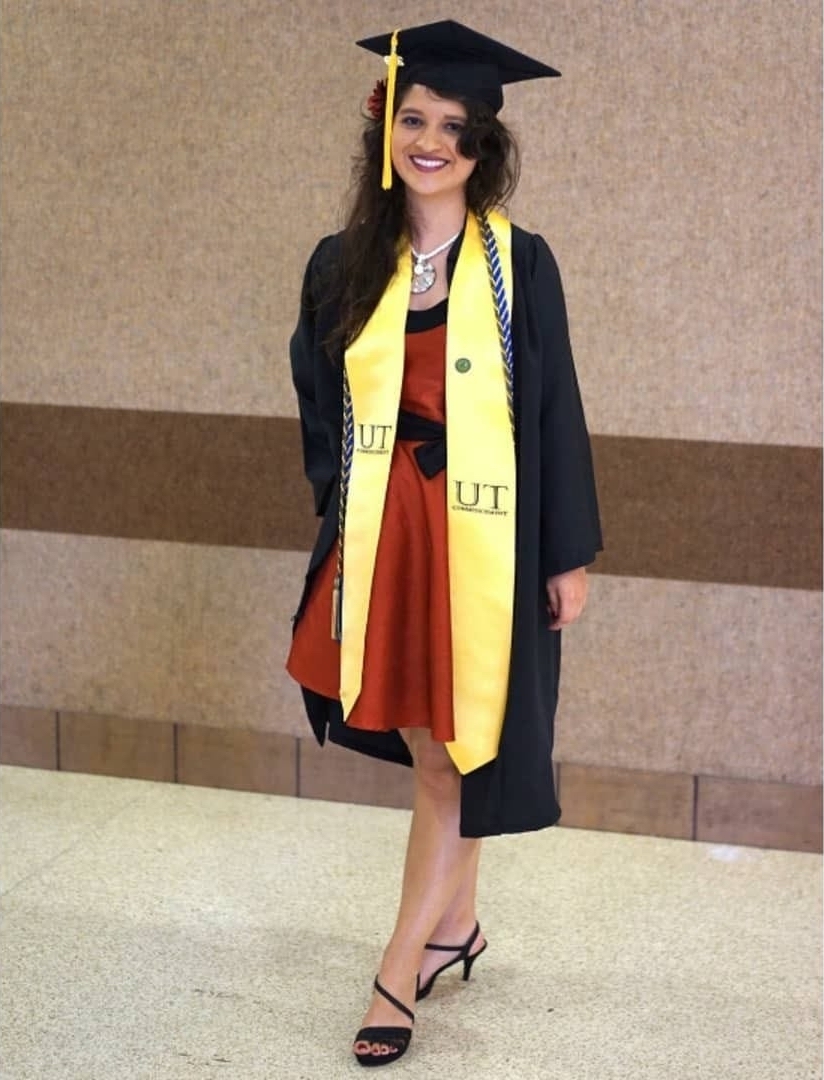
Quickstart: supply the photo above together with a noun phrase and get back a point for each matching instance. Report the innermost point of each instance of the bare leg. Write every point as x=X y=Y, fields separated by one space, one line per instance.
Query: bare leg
x=439 y=862
x=457 y=922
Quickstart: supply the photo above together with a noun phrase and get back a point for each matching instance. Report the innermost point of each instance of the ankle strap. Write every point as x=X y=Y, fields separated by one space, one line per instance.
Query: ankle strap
x=467 y=945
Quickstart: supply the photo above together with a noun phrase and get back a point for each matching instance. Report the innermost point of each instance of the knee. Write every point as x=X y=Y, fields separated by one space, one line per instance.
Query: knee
x=434 y=768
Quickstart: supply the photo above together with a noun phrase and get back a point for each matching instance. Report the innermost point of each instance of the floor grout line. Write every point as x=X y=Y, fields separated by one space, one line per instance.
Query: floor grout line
x=71 y=847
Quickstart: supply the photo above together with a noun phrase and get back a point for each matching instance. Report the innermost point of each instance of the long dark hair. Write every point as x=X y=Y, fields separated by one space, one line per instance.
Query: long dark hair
x=377 y=218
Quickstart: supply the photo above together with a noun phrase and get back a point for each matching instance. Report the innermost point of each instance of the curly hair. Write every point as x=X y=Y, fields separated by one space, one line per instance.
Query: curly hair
x=377 y=219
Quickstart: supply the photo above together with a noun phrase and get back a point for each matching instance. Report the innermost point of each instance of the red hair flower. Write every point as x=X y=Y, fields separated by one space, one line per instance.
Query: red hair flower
x=376 y=104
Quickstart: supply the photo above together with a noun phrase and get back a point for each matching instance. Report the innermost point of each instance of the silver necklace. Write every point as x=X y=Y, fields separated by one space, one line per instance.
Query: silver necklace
x=424 y=274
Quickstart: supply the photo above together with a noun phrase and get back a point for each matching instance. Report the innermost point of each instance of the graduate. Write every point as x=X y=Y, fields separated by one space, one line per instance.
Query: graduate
x=445 y=441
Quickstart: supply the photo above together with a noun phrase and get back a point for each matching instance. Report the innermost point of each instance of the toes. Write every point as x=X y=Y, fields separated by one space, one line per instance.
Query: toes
x=374 y=1049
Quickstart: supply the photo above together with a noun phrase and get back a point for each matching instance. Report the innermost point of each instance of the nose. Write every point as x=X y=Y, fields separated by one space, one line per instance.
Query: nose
x=429 y=139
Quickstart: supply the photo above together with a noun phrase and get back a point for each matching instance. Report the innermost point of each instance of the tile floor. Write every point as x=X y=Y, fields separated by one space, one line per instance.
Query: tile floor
x=163 y=932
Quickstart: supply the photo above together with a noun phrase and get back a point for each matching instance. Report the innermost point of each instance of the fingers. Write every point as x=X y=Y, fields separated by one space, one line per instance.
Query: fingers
x=566 y=596
x=564 y=612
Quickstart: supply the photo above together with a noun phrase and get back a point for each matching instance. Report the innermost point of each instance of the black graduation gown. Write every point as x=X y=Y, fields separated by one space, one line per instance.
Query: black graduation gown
x=557 y=526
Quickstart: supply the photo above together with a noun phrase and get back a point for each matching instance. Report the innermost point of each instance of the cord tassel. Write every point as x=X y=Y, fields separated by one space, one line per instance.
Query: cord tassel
x=337 y=609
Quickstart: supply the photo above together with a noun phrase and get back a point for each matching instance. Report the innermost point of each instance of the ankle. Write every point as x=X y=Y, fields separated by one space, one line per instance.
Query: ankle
x=400 y=960
x=454 y=928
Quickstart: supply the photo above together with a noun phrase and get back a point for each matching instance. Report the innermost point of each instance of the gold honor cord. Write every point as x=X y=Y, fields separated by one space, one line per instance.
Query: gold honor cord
x=480 y=487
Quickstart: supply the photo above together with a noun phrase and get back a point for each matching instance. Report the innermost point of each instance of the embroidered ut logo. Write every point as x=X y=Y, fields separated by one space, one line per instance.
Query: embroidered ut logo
x=472 y=495
x=372 y=437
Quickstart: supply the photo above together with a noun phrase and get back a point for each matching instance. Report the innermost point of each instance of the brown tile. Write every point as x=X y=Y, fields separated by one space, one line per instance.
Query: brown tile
x=759 y=814
x=139 y=474
x=116 y=746
x=669 y=505
x=331 y=772
x=28 y=737
x=232 y=758
x=626 y=800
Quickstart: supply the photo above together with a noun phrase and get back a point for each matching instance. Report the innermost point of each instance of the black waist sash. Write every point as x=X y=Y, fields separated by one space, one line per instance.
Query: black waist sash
x=431 y=455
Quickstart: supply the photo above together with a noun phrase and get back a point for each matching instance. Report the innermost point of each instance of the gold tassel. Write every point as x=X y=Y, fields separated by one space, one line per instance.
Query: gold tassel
x=393 y=60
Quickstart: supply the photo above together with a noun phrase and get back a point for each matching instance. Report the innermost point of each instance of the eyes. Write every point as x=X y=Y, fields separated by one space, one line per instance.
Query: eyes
x=452 y=127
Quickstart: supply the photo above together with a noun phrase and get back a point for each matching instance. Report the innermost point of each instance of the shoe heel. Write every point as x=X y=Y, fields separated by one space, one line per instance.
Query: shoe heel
x=469 y=961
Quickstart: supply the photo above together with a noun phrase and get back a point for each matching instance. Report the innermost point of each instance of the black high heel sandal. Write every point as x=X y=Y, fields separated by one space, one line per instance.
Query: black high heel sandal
x=395 y=1039
x=463 y=954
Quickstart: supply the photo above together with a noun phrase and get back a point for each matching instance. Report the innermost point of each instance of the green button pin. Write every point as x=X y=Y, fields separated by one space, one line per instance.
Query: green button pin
x=463 y=365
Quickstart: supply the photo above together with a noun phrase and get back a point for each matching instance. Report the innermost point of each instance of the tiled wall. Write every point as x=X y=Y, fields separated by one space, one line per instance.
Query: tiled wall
x=166 y=170
x=710 y=808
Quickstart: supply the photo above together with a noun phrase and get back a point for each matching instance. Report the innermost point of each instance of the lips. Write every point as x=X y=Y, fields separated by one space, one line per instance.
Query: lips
x=428 y=165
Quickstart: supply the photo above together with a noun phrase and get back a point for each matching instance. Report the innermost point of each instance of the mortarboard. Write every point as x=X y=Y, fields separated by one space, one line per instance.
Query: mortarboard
x=449 y=56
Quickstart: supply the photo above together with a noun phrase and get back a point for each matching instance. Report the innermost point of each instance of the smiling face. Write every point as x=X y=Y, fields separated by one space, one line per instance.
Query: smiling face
x=425 y=137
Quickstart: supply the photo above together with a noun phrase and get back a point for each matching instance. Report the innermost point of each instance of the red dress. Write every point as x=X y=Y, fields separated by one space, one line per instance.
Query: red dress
x=407 y=672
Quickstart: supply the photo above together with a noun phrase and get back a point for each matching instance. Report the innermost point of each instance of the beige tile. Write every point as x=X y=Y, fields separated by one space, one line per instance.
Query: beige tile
x=251 y=927
x=244 y=760
x=677 y=677
x=167 y=239
x=158 y=249
x=330 y=772
x=695 y=320
x=176 y=632
x=763 y=815
x=630 y=801
x=41 y=824
x=28 y=737
x=117 y=746
x=701 y=679
x=206 y=630
x=233 y=630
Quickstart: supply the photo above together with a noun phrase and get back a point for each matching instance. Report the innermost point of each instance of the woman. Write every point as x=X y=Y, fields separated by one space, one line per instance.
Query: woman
x=445 y=440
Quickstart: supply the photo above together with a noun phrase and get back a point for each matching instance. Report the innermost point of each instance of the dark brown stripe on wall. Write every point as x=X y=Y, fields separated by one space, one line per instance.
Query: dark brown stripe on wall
x=140 y=475
x=672 y=508
x=736 y=513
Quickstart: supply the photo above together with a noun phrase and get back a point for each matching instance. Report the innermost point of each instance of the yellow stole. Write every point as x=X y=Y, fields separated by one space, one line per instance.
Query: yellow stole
x=480 y=488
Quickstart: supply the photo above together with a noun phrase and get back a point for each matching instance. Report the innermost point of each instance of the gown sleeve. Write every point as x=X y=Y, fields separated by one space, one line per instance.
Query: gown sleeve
x=318 y=459
x=570 y=523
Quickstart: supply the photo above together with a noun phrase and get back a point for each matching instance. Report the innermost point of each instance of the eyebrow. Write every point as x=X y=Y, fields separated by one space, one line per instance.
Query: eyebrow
x=409 y=111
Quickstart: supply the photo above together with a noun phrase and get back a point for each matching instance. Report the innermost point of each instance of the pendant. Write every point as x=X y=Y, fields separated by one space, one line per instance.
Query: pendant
x=423 y=277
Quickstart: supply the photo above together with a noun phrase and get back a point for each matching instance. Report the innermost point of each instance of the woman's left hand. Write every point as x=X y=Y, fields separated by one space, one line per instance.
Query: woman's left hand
x=566 y=596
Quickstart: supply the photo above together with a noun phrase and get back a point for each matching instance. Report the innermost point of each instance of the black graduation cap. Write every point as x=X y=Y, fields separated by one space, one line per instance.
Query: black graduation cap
x=449 y=56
